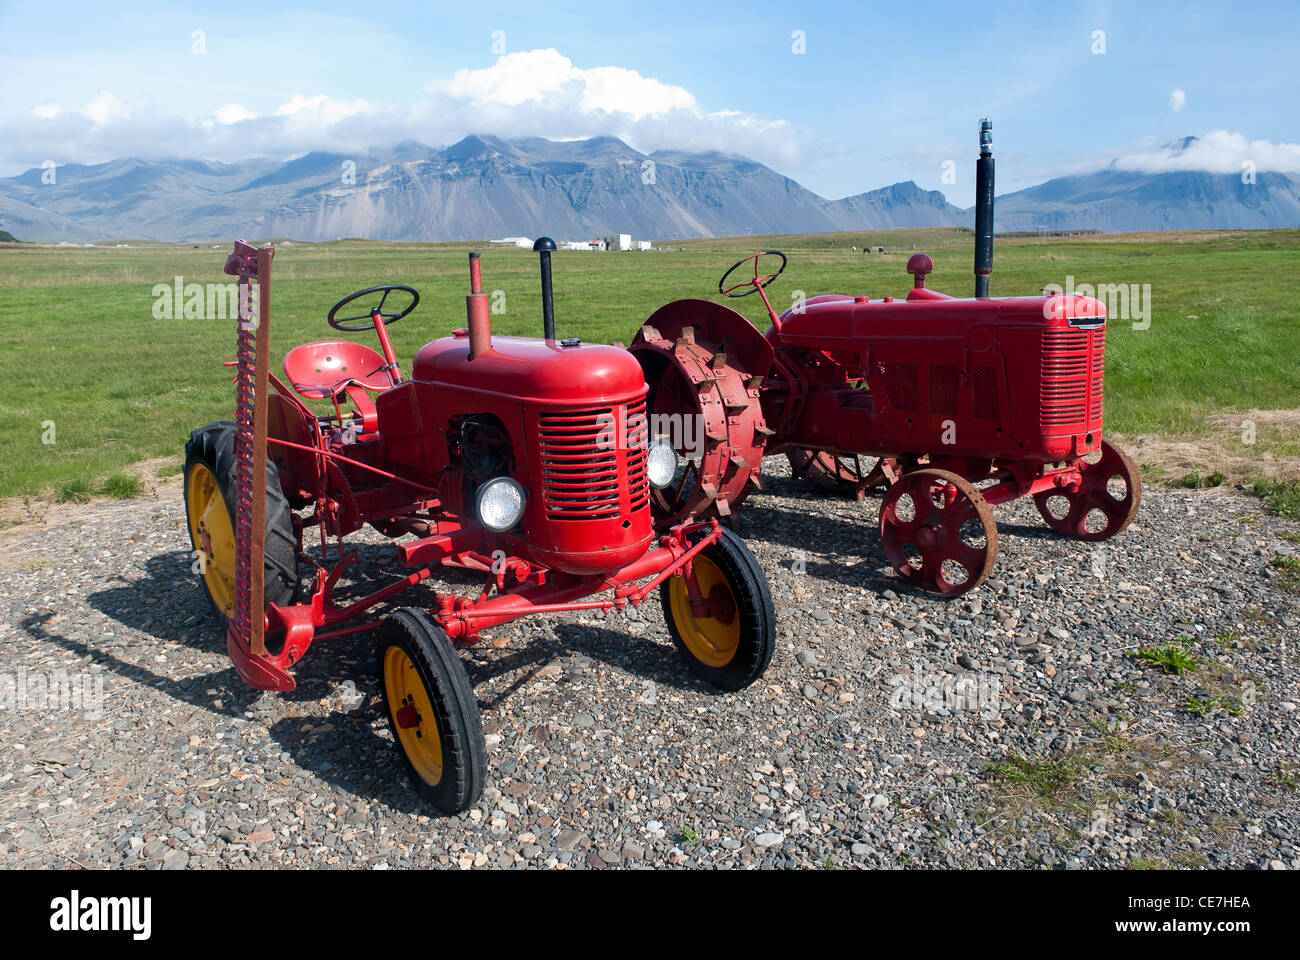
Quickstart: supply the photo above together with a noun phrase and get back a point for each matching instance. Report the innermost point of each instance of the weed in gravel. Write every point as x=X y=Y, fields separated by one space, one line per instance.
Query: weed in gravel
x=1286 y=776
x=1171 y=659
x=1190 y=859
x=1290 y=567
x=122 y=486
x=1195 y=481
x=1147 y=863
x=73 y=490
x=1045 y=776
x=1282 y=496
x=688 y=836
x=1203 y=707
x=1227 y=639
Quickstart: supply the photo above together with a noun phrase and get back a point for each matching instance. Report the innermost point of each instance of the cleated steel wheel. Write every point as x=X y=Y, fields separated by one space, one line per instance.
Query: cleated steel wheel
x=730 y=644
x=431 y=710
x=1104 y=504
x=209 y=497
x=938 y=532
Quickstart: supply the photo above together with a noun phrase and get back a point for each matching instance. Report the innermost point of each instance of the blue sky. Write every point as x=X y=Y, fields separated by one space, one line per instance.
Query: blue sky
x=881 y=93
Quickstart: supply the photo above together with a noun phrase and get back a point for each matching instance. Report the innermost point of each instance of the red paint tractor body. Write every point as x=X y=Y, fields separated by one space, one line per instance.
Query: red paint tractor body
x=524 y=461
x=947 y=394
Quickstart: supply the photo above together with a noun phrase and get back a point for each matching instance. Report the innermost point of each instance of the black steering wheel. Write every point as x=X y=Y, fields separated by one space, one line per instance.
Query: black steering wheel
x=339 y=323
x=755 y=283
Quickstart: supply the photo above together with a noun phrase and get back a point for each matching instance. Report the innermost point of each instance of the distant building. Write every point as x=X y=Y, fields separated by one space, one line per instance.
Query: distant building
x=617 y=241
x=643 y=245
x=522 y=242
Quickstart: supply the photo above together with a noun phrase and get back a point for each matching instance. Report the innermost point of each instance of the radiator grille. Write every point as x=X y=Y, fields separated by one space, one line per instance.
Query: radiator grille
x=588 y=455
x=1067 y=370
x=1095 y=404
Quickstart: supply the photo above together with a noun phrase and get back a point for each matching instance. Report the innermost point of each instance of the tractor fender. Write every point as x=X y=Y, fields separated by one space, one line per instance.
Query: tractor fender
x=713 y=323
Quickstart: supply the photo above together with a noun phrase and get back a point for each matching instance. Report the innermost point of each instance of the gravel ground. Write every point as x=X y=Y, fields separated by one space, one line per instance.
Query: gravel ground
x=1013 y=727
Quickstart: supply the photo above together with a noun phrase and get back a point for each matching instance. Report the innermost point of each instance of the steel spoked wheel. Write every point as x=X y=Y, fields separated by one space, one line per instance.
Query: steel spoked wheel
x=938 y=532
x=1105 y=502
x=842 y=476
x=431 y=710
x=730 y=642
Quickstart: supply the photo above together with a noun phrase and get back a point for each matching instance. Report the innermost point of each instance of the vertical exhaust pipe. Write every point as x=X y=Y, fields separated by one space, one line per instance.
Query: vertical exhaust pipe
x=476 y=311
x=984 y=211
x=544 y=246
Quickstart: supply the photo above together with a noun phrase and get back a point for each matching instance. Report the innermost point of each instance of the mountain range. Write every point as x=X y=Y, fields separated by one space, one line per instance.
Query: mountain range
x=485 y=187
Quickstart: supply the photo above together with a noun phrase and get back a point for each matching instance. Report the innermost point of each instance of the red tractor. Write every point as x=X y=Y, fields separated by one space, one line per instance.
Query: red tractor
x=527 y=461
x=965 y=403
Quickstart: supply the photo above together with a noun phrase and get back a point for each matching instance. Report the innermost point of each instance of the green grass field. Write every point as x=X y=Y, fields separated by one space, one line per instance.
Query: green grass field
x=80 y=347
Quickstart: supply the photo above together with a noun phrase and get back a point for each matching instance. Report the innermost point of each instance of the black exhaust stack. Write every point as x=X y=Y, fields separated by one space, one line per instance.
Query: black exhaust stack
x=984 y=211
x=545 y=246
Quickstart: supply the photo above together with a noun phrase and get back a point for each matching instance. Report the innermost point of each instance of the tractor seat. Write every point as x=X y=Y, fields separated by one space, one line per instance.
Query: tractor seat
x=324 y=369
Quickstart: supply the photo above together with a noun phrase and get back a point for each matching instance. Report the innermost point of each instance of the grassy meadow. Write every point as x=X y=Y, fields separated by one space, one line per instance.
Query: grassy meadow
x=80 y=346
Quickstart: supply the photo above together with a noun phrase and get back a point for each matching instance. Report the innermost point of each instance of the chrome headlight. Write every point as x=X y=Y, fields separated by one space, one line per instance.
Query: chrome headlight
x=661 y=463
x=499 y=504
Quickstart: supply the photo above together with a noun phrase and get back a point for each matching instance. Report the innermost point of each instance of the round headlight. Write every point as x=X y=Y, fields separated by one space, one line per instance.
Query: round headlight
x=661 y=463
x=499 y=503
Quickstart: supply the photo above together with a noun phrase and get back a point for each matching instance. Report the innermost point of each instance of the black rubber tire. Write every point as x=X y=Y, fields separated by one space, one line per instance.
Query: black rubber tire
x=214 y=446
x=460 y=728
x=749 y=588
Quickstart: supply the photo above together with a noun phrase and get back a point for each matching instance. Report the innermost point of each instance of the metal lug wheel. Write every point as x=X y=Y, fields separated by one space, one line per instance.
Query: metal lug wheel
x=938 y=532
x=1105 y=502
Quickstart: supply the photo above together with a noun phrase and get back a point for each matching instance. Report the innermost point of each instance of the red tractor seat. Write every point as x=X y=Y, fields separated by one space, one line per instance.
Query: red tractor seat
x=324 y=369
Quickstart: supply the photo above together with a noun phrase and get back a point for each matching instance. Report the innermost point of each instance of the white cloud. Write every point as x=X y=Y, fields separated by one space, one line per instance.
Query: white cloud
x=1177 y=100
x=1219 y=151
x=530 y=93
x=233 y=113
x=106 y=109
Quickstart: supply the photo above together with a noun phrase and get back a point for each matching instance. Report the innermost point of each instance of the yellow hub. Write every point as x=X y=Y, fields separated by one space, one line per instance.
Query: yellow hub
x=711 y=641
x=414 y=718
x=213 y=536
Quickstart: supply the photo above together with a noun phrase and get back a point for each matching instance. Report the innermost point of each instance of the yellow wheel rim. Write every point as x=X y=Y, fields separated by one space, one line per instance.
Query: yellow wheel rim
x=409 y=703
x=213 y=536
x=709 y=640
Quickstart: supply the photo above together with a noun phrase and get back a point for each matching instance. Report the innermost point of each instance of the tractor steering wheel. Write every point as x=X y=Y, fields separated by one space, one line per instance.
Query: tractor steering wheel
x=340 y=323
x=755 y=283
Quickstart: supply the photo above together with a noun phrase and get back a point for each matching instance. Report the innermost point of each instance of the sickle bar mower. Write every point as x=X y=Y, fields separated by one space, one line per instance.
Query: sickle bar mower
x=961 y=403
x=526 y=462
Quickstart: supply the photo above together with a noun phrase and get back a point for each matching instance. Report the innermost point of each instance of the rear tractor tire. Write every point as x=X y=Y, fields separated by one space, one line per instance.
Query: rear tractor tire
x=732 y=645
x=210 y=514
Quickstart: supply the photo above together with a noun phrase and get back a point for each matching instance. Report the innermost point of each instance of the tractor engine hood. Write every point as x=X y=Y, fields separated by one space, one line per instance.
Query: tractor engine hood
x=841 y=318
x=542 y=371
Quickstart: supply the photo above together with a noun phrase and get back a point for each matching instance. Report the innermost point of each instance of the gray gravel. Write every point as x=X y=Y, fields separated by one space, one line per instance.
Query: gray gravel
x=1013 y=727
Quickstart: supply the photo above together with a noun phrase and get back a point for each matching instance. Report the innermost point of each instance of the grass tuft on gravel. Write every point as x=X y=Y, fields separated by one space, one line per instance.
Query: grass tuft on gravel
x=1172 y=659
x=74 y=490
x=1045 y=776
x=122 y=486
x=1281 y=496
x=1290 y=567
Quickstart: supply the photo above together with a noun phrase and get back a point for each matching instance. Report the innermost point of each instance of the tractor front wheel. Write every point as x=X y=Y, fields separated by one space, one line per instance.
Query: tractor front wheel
x=1105 y=503
x=210 y=513
x=839 y=476
x=730 y=644
x=431 y=710
x=938 y=532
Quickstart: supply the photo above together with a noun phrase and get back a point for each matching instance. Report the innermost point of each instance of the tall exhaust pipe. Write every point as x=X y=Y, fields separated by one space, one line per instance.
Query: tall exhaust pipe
x=544 y=246
x=476 y=311
x=984 y=211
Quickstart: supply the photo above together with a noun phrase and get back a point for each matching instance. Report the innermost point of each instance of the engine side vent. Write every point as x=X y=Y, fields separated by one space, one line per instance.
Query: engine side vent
x=900 y=385
x=987 y=406
x=943 y=390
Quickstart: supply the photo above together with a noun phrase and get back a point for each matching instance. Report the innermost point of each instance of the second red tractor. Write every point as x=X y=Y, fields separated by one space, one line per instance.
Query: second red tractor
x=963 y=404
